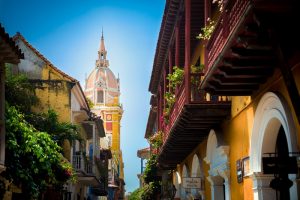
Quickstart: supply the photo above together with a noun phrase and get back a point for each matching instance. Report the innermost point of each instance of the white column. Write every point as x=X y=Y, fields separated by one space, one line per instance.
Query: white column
x=225 y=173
x=295 y=189
x=216 y=186
x=261 y=186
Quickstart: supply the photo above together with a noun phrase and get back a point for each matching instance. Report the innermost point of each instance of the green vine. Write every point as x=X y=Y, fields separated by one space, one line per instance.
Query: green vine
x=33 y=159
x=207 y=31
x=197 y=68
x=170 y=99
x=59 y=131
x=153 y=183
x=176 y=77
x=156 y=139
x=19 y=92
x=152 y=187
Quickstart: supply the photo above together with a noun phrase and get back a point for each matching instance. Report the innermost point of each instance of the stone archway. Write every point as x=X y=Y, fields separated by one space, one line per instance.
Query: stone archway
x=185 y=174
x=272 y=113
x=177 y=184
x=219 y=174
x=197 y=171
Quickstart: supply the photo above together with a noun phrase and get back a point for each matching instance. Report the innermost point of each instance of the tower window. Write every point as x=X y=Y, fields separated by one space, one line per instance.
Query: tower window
x=100 y=96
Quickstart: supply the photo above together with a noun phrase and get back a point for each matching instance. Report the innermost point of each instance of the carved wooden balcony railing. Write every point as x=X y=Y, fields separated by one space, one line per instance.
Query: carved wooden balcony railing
x=242 y=52
x=227 y=23
x=190 y=120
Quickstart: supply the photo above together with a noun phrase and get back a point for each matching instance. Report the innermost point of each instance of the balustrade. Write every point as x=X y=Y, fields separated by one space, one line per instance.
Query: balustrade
x=82 y=164
x=227 y=23
x=197 y=95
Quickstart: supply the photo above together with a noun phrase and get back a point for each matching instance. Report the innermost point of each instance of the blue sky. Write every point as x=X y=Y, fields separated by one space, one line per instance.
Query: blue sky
x=67 y=32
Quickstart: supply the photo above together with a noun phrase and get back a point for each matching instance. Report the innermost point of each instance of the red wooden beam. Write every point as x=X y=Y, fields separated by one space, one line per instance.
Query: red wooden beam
x=165 y=73
x=158 y=108
x=207 y=10
x=170 y=64
x=177 y=44
x=187 y=49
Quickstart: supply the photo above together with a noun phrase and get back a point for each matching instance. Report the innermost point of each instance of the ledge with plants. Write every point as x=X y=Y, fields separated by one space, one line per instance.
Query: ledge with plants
x=156 y=140
x=207 y=31
x=175 y=79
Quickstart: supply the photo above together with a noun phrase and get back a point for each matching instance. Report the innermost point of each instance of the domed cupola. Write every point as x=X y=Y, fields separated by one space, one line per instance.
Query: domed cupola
x=101 y=86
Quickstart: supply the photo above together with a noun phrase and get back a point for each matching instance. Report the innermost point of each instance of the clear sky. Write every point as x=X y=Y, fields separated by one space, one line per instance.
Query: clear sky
x=67 y=32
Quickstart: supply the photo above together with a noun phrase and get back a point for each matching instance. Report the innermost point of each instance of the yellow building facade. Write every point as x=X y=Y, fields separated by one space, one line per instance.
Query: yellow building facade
x=102 y=88
x=62 y=93
x=233 y=131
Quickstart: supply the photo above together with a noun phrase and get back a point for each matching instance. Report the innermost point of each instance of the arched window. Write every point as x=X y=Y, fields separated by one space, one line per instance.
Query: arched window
x=100 y=96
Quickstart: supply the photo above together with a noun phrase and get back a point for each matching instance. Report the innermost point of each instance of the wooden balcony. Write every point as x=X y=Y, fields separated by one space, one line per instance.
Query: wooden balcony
x=242 y=51
x=190 y=121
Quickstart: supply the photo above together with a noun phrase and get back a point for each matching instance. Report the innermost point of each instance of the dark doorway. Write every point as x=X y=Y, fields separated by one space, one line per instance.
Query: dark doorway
x=282 y=151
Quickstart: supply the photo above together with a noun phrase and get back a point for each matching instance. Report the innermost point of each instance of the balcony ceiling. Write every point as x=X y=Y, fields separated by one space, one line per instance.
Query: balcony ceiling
x=249 y=56
x=173 y=14
x=191 y=128
x=88 y=181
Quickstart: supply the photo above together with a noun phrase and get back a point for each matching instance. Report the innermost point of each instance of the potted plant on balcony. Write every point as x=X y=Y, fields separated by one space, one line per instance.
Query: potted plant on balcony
x=176 y=77
x=156 y=139
x=207 y=31
x=170 y=100
x=197 y=68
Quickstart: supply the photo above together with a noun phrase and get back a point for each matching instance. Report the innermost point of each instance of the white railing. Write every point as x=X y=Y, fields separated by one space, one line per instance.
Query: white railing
x=82 y=164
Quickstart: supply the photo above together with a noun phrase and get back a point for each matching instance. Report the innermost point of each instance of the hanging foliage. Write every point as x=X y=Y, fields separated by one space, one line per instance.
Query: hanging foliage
x=19 y=92
x=59 y=131
x=152 y=185
x=176 y=77
x=33 y=159
x=156 y=139
x=207 y=30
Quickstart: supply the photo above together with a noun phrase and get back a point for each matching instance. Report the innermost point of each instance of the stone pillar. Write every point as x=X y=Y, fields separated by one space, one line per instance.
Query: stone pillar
x=261 y=186
x=216 y=187
x=225 y=174
x=295 y=189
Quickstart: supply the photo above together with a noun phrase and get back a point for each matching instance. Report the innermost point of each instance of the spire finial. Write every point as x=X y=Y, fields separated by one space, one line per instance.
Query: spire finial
x=102 y=62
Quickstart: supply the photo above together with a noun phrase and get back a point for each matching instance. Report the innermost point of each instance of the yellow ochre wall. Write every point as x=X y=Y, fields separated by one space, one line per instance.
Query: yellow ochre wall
x=54 y=94
x=116 y=126
x=54 y=91
x=237 y=134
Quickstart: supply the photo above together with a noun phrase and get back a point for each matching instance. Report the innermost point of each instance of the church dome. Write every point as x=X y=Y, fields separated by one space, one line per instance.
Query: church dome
x=101 y=85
